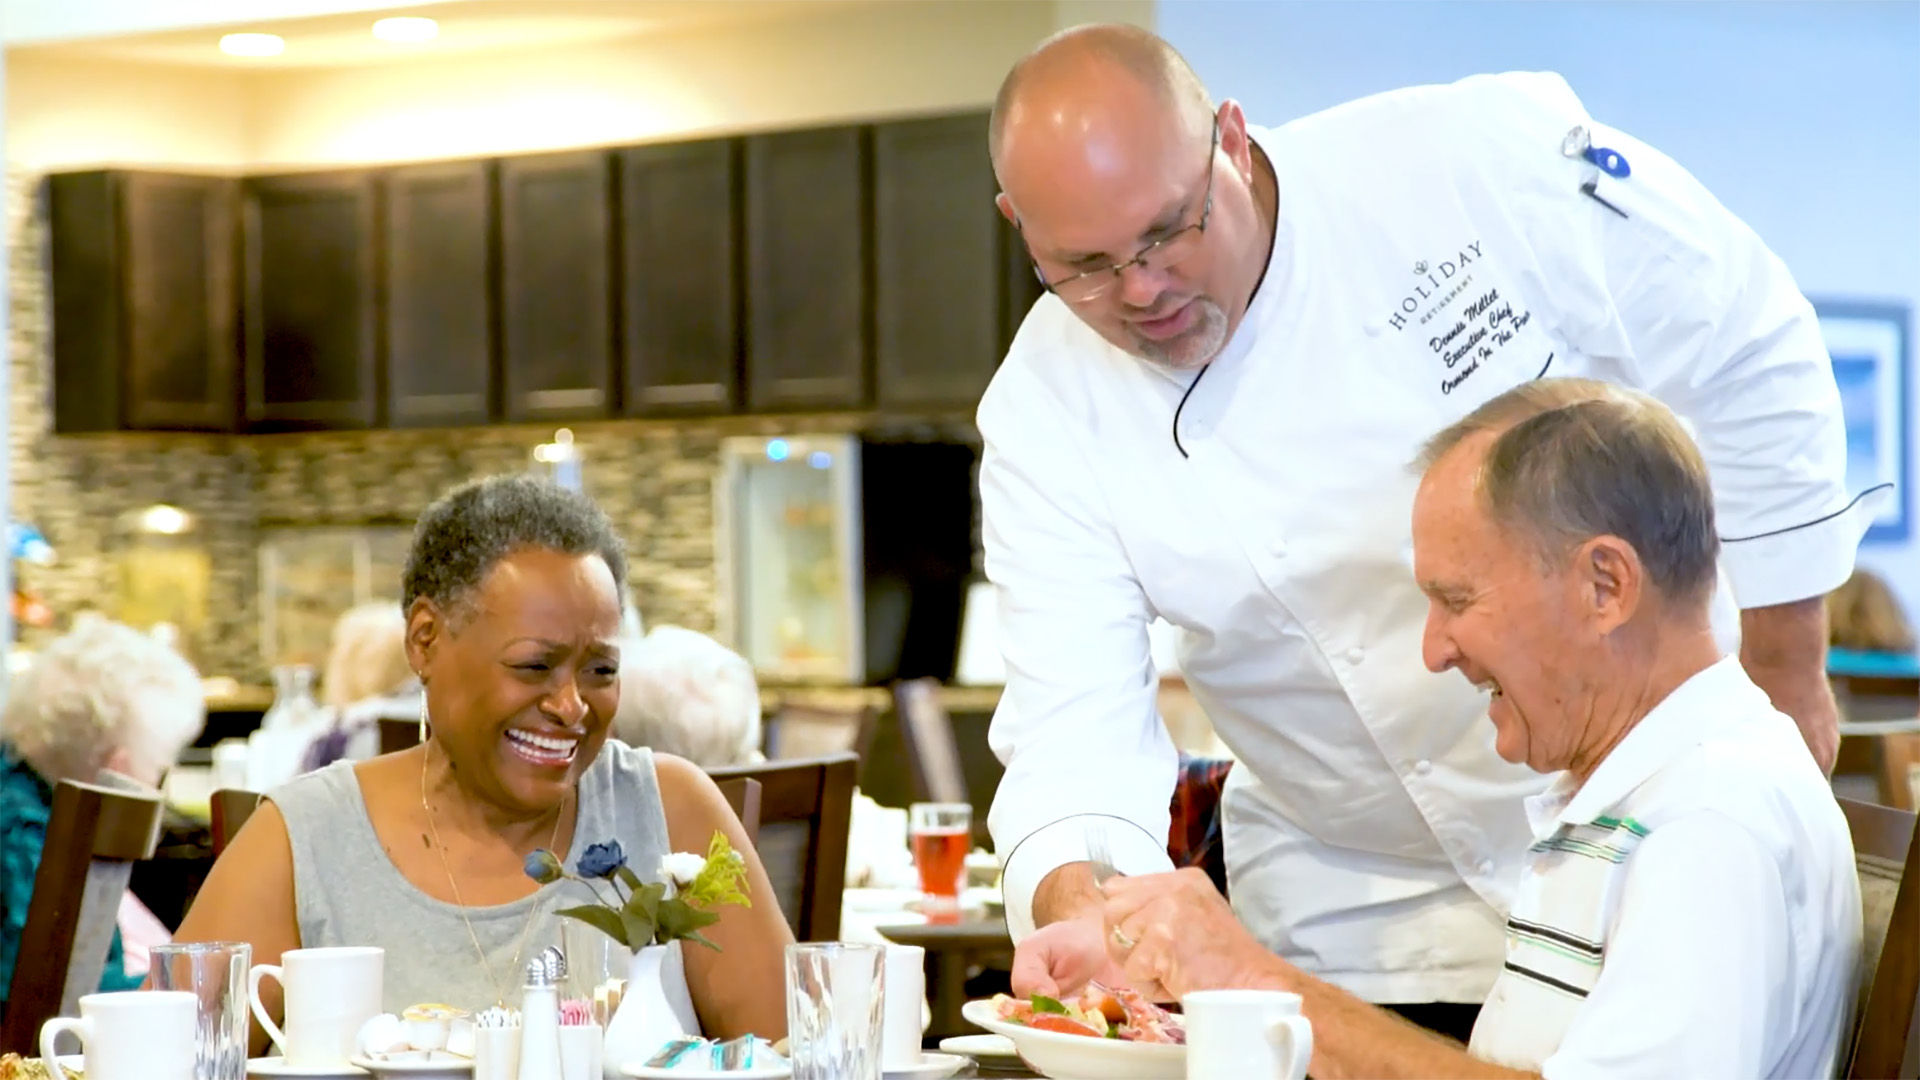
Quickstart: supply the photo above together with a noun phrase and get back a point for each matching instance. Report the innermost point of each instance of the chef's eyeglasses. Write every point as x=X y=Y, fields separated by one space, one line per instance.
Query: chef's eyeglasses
x=1161 y=255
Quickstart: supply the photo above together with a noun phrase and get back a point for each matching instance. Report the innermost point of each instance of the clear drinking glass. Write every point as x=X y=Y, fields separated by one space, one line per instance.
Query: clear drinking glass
x=215 y=972
x=835 y=994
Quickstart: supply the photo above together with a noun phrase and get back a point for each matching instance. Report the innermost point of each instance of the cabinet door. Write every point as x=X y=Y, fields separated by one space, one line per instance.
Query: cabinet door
x=182 y=371
x=439 y=312
x=679 y=206
x=938 y=263
x=807 y=339
x=556 y=251
x=142 y=301
x=312 y=293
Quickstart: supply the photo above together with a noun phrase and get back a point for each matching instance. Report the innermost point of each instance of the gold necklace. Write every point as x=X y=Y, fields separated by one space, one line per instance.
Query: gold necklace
x=460 y=905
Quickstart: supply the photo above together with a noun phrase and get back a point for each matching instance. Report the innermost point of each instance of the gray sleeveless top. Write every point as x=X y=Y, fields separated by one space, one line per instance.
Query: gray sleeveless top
x=347 y=892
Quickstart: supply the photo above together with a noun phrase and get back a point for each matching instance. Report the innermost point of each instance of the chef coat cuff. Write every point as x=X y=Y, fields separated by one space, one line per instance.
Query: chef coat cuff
x=1046 y=849
x=1797 y=562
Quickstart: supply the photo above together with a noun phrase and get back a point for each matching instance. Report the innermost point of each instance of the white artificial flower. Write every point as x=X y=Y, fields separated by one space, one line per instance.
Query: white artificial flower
x=681 y=867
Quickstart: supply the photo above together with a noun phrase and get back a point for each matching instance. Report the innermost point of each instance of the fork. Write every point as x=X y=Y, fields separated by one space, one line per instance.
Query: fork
x=1100 y=855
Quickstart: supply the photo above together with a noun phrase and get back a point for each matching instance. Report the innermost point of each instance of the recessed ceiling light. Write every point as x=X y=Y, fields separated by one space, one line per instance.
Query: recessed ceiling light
x=253 y=45
x=406 y=30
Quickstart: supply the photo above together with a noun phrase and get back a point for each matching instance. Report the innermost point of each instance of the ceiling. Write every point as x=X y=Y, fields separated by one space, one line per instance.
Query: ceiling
x=466 y=27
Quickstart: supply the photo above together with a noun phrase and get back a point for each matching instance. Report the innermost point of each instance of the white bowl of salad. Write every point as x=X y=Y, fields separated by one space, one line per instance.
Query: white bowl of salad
x=1104 y=1032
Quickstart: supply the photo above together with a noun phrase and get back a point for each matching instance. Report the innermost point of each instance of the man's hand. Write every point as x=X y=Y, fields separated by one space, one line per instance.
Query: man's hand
x=1784 y=650
x=1174 y=933
x=1060 y=958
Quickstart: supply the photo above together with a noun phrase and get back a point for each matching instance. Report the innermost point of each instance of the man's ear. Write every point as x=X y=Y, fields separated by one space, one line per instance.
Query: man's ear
x=1612 y=582
x=426 y=626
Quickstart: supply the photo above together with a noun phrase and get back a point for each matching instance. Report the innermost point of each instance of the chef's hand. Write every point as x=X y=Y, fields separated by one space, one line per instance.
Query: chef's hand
x=1174 y=933
x=1061 y=957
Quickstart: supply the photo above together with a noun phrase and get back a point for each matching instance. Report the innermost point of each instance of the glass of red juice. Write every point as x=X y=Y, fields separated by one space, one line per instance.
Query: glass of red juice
x=942 y=834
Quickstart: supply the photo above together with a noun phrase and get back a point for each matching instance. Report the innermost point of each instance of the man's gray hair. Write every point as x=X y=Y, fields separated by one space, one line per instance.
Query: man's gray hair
x=101 y=687
x=466 y=532
x=681 y=692
x=1572 y=459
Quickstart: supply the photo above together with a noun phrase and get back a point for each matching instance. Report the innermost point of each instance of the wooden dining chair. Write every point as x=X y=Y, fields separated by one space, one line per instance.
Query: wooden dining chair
x=229 y=809
x=806 y=812
x=743 y=794
x=933 y=754
x=95 y=833
x=1886 y=846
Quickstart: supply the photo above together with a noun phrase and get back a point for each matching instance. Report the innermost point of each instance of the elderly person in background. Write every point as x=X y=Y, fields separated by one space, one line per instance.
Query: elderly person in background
x=512 y=598
x=102 y=697
x=683 y=693
x=1688 y=906
x=367 y=680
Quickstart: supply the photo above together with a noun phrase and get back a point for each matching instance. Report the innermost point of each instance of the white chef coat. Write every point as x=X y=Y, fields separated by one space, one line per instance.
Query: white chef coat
x=1691 y=910
x=1433 y=249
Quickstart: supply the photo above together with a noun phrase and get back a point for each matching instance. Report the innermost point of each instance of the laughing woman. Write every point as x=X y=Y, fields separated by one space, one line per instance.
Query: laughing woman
x=512 y=597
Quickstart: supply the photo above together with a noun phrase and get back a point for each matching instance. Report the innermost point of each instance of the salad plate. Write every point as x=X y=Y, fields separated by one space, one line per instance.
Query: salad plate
x=1072 y=1040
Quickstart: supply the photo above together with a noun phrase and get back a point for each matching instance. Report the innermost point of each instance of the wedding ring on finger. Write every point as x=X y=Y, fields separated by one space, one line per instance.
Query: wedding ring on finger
x=1121 y=939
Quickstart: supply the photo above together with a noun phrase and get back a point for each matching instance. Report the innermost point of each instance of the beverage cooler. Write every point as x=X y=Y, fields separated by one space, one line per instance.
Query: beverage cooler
x=841 y=559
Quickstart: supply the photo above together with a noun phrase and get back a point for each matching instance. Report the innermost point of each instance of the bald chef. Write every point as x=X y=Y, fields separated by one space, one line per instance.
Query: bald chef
x=1210 y=417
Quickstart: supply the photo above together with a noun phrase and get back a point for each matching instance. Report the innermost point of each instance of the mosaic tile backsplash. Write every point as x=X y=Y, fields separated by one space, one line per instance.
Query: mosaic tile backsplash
x=655 y=480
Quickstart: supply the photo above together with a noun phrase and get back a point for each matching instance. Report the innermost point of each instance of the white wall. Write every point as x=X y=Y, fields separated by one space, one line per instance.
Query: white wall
x=77 y=114
x=1804 y=118
x=841 y=64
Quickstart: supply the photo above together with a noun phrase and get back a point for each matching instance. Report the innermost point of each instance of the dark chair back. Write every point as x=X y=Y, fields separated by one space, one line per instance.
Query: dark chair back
x=230 y=808
x=806 y=810
x=932 y=752
x=743 y=794
x=1886 y=846
x=94 y=835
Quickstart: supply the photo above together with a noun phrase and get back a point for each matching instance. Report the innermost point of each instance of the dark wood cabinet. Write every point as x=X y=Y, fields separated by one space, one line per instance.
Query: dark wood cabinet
x=939 y=264
x=807 y=270
x=143 y=301
x=556 y=274
x=439 y=317
x=680 y=313
x=1023 y=282
x=312 y=296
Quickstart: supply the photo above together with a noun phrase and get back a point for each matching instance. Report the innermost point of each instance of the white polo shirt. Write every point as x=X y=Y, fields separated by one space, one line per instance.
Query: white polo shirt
x=1692 y=910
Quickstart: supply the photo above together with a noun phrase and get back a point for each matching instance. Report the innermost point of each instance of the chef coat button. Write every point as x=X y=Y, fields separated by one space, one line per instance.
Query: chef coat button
x=1356 y=654
x=1373 y=329
x=1422 y=767
x=1278 y=549
x=1485 y=868
x=1576 y=143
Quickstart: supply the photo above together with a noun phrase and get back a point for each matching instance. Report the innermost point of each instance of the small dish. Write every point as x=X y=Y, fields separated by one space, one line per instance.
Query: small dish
x=275 y=1067
x=994 y=1048
x=931 y=1066
x=1053 y=1053
x=418 y=1065
x=758 y=1072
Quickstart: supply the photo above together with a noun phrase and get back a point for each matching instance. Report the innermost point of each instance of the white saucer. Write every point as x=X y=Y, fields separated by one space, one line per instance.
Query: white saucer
x=441 y=1066
x=762 y=1072
x=981 y=1047
x=931 y=1067
x=277 y=1066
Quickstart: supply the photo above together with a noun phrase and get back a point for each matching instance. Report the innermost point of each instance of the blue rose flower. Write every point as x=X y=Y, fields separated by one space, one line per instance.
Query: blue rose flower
x=601 y=860
x=542 y=866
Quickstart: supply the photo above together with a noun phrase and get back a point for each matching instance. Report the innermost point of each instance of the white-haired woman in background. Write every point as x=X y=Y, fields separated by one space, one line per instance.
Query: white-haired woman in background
x=683 y=693
x=102 y=697
x=367 y=680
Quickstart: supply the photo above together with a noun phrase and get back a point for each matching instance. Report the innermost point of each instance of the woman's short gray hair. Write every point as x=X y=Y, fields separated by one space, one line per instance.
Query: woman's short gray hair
x=681 y=692
x=102 y=687
x=467 y=531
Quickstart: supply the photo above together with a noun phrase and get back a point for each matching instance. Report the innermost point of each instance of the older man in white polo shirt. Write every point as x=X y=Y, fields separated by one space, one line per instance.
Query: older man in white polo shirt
x=1688 y=906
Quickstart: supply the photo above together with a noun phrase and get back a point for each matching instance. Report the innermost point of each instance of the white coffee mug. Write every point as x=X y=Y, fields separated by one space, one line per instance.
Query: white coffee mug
x=129 y=1035
x=906 y=989
x=1246 y=1033
x=329 y=994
